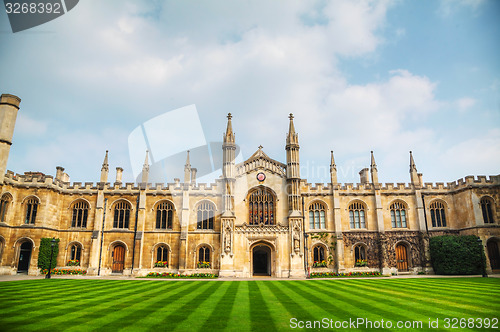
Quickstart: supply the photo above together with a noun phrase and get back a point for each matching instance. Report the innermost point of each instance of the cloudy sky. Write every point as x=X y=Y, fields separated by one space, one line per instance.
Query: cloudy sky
x=387 y=76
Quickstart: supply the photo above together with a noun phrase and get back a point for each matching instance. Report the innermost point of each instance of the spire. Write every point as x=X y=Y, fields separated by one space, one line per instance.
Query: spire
x=105 y=168
x=292 y=137
x=187 y=170
x=373 y=169
x=229 y=136
x=333 y=169
x=414 y=176
x=145 y=169
x=413 y=167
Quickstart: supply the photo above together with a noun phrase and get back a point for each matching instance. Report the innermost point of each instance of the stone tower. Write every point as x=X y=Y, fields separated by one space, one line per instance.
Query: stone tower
x=9 y=105
x=228 y=217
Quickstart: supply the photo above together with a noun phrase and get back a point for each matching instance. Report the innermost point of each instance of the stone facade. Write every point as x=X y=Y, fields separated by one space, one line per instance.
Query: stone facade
x=259 y=218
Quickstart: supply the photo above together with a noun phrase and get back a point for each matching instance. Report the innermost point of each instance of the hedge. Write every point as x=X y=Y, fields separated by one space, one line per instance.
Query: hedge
x=44 y=253
x=457 y=255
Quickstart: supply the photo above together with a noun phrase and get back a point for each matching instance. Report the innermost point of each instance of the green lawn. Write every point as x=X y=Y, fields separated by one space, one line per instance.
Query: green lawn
x=109 y=305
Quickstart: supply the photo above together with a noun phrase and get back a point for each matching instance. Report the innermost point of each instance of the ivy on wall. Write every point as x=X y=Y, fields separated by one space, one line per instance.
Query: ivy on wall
x=44 y=253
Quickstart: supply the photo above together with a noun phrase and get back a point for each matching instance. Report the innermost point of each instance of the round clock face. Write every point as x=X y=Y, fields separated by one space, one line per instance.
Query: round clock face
x=261 y=177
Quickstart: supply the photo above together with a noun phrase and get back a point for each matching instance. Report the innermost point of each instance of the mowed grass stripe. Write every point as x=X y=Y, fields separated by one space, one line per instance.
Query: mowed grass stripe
x=259 y=308
x=467 y=303
x=443 y=305
x=130 y=308
x=367 y=305
x=219 y=317
x=59 y=304
x=58 y=314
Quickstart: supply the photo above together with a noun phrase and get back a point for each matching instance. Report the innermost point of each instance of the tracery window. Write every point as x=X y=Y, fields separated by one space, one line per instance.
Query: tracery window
x=438 y=215
x=317 y=216
x=80 y=214
x=31 y=209
x=398 y=215
x=319 y=254
x=75 y=252
x=164 y=215
x=359 y=255
x=121 y=215
x=206 y=215
x=204 y=255
x=357 y=215
x=162 y=254
x=4 y=205
x=486 y=204
x=261 y=207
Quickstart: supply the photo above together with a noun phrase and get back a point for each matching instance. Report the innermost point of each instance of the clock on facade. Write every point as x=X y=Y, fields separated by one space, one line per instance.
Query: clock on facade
x=261 y=177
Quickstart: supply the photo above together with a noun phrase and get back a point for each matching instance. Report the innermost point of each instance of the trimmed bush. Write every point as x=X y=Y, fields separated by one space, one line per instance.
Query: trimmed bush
x=457 y=255
x=44 y=254
x=344 y=275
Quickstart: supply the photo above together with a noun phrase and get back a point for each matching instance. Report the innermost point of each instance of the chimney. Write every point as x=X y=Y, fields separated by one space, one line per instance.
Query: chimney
x=119 y=173
x=363 y=176
x=193 y=175
x=59 y=173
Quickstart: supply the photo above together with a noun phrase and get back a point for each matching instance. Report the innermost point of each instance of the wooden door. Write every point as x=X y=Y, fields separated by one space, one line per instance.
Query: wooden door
x=118 y=259
x=493 y=255
x=401 y=258
x=24 y=257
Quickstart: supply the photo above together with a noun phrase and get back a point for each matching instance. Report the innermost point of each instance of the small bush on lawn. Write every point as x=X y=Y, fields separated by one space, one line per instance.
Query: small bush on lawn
x=180 y=276
x=344 y=275
x=453 y=254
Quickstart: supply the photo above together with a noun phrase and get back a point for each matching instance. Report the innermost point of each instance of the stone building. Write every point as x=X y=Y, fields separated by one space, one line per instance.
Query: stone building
x=259 y=218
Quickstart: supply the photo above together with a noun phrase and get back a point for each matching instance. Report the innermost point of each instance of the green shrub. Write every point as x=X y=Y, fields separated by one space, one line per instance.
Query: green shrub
x=457 y=254
x=44 y=253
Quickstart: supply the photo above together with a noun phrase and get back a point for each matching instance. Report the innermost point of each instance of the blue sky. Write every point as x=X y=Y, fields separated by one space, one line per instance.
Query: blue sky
x=387 y=76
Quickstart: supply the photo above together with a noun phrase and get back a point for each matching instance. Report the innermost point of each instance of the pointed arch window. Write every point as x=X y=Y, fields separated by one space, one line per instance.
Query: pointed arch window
x=162 y=256
x=31 y=210
x=319 y=254
x=357 y=215
x=164 y=215
x=317 y=216
x=359 y=255
x=486 y=208
x=80 y=214
x=438 y=215
x=121 y=215
x=398 y=215
x=261 y=207
x=75 y=253
x=206 y=212
x=204 y=257
x=4 y=205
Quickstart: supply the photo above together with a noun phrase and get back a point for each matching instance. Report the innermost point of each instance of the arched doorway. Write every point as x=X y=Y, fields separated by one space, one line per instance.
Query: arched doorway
x=401 y=257
x=493 y=254
x=24 y=257
x=261 y=260
x=118 y=256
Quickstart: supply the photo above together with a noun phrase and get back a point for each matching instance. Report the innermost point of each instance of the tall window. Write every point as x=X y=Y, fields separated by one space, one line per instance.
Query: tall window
x=487 y=210
x=75 y=252
x=398 y=215
x=206 y=215
x=164 y=215
x=357 y=215
x=122 y=215
x=162 y=254
x=80 y=214
x=359 y=253
x=317 y=216
x=438 y=216
x=261 y=207
x=204 y=254
x=31 y=209
x=4 y=205
x=319 y=254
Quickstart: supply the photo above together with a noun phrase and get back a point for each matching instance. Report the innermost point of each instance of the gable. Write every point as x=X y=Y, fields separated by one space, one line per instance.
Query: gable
x=260 y=161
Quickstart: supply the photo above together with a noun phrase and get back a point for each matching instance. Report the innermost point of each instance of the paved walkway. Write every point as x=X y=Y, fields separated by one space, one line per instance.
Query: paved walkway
x=26 y=277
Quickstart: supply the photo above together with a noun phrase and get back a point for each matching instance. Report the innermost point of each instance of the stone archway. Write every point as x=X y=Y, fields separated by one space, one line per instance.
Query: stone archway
x=261 y=260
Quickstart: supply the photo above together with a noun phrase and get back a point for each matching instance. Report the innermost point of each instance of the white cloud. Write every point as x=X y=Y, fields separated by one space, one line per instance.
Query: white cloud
x=463 y=104
x=448 y=7
x=28 y=126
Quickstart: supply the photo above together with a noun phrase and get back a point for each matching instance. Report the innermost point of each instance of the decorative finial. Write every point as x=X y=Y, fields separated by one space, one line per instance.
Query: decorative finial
x=290 y=116
x=260 y=147
x=229 y=116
